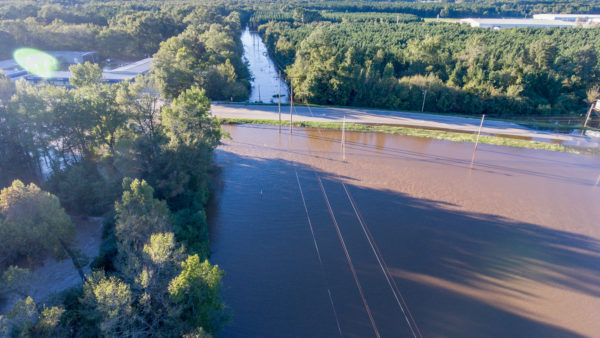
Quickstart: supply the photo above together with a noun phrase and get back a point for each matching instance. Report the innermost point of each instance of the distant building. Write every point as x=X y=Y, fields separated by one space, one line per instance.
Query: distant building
x=136 y=68
x=568 y=17
x=124 y=73
x=73 y=58
x=61 y=77
x=514 y=23
x=12 y=69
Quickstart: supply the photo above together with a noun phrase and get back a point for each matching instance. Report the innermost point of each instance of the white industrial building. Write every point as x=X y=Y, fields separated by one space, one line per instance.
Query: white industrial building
x=568 y=17
x=515 y=23
x=61 y=78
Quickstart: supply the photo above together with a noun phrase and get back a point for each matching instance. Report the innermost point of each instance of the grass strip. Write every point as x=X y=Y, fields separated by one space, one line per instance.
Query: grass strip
x=435 y=134
x=516 y=119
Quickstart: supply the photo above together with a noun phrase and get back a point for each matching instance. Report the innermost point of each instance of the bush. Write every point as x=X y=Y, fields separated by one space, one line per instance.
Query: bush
x=82 y=190
x=32 y=224
x=108 y=248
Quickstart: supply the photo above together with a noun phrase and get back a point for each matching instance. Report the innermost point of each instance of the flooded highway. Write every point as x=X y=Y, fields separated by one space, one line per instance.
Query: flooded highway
x=266 y=84
x=405 y=238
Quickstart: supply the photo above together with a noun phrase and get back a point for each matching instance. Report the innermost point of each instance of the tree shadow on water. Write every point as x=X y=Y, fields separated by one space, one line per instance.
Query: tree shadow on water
x=451 y=264
x=462 y=274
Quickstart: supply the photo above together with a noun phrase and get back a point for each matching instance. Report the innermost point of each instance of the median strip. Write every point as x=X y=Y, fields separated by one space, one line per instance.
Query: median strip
x=419 y=132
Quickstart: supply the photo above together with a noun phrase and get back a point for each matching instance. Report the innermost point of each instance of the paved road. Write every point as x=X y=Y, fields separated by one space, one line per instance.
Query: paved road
x=357 y=115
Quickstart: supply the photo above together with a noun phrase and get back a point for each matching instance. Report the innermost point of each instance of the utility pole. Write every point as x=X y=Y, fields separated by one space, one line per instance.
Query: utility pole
x=344 y=139
x=259 y=99
x=477 y=141
x=424 y=96
x=587 y=118
x=291 y=101
x=279 y=96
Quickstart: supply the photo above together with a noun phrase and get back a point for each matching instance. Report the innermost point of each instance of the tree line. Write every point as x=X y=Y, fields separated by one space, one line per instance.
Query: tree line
x=463 y=70
x=459 y=9
x=301 y=16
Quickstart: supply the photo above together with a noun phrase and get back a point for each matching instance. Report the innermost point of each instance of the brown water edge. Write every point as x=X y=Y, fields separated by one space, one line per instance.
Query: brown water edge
x=508 y=248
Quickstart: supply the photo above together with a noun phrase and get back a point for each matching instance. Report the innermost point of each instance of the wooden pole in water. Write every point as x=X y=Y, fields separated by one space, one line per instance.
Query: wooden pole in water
x=279 y=96
x=477 y=140
x=291 y=100
x=344 y=139
x=587 y=118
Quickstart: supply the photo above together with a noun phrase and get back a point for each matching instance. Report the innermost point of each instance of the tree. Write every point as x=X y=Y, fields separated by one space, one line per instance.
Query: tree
x=180 y=173
x=139 y=216
x=174 y=65
x=139 y=101
x=7 y=89
x=32 y=223
x=85 y=74
x=19 y=140
x=13 y=280
x=110 y=303
x=188 y=122
x=196 y=290
x=26 y=320
x=303 y=16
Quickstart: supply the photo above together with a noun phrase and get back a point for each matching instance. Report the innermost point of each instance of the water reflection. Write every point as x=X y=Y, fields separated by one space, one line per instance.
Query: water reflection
x=266 y=85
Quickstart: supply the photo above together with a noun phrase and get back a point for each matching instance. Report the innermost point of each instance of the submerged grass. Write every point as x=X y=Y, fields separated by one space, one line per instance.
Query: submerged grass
x=397 y=130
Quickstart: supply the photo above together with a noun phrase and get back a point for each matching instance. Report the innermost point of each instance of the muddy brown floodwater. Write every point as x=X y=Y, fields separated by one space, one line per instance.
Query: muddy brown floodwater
x=404 y=238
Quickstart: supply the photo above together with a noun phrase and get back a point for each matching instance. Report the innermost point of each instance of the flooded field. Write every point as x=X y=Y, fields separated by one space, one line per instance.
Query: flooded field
x=404 y=238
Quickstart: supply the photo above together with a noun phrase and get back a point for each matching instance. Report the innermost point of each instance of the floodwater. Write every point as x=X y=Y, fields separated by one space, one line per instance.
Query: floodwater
x=266 y=85
x=404 y=238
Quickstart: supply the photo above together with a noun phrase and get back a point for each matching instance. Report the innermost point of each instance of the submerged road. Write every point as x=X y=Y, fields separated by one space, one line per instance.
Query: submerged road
x=386 y=117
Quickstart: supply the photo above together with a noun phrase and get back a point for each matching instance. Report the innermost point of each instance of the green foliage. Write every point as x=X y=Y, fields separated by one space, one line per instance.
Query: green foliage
x=435 y=134
x=108 y=248
x=208 y=56
x=162 y=249
x=19 y=146
x=82 y=189
x=13 y=279
x=32 y=223
x=109 y=301
x=191 y=229
x=139 y=215
x=81 y=141
x=126 y=32
x=26 y=320
x=85 y=74
x=464 y=70
x=188 y=122
x=196 y=289
x=78 y=317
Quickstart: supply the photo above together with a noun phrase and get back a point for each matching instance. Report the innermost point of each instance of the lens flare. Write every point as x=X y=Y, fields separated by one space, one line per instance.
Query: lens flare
x=36 y=62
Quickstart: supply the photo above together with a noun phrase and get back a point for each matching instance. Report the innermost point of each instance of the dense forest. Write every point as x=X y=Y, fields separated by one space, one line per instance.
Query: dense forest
x=138 y=154
x=391 y=64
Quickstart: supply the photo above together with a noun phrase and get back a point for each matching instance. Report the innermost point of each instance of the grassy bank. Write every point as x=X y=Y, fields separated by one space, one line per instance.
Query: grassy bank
x=516 y=119
x=435 y=134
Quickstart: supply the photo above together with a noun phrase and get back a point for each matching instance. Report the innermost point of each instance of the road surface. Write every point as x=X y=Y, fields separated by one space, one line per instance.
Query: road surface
x=371 y=116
